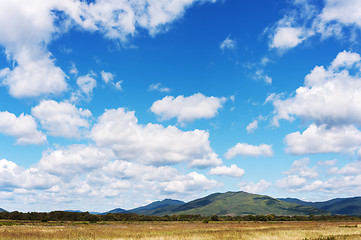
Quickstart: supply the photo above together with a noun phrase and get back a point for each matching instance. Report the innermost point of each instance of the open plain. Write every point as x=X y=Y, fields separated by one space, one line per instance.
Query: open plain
x=29 y=230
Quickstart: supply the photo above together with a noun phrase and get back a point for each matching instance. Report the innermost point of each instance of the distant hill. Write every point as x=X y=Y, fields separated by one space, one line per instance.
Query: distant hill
x=117 y=210
x=2 y=210
x=150 y=208
x=238 y=203
x=72 y=211
x=342 y=206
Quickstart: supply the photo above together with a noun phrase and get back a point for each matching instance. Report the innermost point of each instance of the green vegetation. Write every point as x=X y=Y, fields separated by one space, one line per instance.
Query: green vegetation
x=238 y=203
x=132 y=217
x=343 y=206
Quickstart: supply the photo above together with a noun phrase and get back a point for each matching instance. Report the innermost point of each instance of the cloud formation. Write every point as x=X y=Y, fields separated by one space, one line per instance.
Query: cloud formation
x=228 y=43
x=152 y=143
x=322 y=98
x=23 y=128
x=244 y=149
x=232 y=171
x=28 y=27
x=187 y=109
x=307 y=20
x=252 y=187
x=62 y=119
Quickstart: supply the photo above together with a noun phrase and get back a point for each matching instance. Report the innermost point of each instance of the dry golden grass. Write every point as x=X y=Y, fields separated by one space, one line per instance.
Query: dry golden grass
x=180 y=230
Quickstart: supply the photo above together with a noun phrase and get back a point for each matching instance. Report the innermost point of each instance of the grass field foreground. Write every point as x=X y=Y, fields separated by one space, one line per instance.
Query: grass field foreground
x=179 y=230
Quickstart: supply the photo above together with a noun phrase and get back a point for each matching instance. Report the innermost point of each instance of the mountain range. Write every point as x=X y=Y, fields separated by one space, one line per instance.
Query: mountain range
x=340 y=206
x=243 y=203
x=229 y=203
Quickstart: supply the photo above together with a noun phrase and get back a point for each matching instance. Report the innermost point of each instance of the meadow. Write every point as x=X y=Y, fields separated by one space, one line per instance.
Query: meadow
x=29 y=230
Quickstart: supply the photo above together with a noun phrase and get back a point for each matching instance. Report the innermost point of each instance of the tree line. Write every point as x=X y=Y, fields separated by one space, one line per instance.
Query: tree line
x=86 y=216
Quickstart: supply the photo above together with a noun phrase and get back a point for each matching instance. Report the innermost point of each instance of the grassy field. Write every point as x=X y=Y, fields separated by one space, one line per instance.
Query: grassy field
x=179 y=230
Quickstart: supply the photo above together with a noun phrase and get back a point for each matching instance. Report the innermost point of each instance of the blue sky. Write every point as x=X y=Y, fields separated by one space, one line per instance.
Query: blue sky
x=108 y=104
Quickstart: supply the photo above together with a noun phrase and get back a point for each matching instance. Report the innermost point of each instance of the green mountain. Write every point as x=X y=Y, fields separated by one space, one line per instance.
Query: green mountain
x=145 y=210
x=342 y=206
x=238 y=203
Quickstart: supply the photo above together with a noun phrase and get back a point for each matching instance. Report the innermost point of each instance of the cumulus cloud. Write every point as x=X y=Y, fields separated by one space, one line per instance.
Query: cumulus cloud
x=25 y=28
x=191 y=182
x=232 y=171
x=346 y=59
x=287 y=37
x=339 y=180
x=323 y=139
x=244 y=149
x=28 y=27
x=76 y=159
x=86 y=84
x=228 y=43
x=251 y=127
x=23 y=128
x=346 y=12
x=130 y=170
x=329 y=96
x=292 y=181
x=107 y=76
x=301 y=168
x=152 y=143
x=13 y=176
x=306 y=20
x=189 y=108
x=353 y=168
x=158 y=87
x=62 y=119
x=251 y=187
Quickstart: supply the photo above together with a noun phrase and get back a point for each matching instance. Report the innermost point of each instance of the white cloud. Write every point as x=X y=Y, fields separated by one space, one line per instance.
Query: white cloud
x=73 y=70
x=232 y=171
x=13 y=176
x=130 y=170
x=76 y=159
x=244 y=149
x=327 y=163
x=287 y=37
x=189 y=108
x=28 y=27
x=86 y=84
x=300 y=167
x=260 y=75
x=62 y=119
x=307 y=20
x=120 y=19
x=35 y=74
x=345 y=59
x=23 y=128
x=192 y=182
x=118 y=85
x=158 y=87
x=251 y=127
x=152 y=143
x=349 y=169
x=328 y=96
x=323 y=139
x=347 y=12
x=251 y=187
x=228 y=43
x=292 y=181
x=107 y=76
